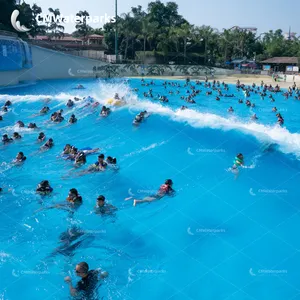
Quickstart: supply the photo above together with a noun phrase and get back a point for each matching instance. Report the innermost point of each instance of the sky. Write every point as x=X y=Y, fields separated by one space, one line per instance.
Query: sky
x=263 y=14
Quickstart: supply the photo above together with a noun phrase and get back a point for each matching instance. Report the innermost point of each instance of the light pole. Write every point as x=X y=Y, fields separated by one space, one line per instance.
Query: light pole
x=116 y=30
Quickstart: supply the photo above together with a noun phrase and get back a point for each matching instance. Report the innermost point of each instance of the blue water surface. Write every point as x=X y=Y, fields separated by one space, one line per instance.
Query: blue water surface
x=219 y=237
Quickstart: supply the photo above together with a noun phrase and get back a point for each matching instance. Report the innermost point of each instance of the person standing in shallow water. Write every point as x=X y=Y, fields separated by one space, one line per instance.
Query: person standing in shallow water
x=86 y=287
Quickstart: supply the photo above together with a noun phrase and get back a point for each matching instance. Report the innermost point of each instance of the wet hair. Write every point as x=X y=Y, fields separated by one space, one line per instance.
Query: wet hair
x=169 y=182
x=21 y=153
x=83 y=266
x=101 y=198
x=44 y=183
x=74 y=191
x=50 y=140
x=4 y=135
x=101 y=156
x=1 y=118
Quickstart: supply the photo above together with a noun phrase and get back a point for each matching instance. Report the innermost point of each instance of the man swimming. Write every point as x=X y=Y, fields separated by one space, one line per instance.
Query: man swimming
x=44 y=188
x=41 y=137
x=99 y=165
x=20 y=158
x=89 y=280
x=72 y=119
x=102 y=207
x=16 y=136
x=6 y=139
x=105 y=111
x=48 y=145
x=44 y=110
x=165 y=189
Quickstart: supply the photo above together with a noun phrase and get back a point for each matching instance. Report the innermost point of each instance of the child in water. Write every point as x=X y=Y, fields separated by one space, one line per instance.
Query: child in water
x=238 y=162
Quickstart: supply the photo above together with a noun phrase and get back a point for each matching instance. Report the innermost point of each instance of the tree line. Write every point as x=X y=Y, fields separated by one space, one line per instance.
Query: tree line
x=160 y=32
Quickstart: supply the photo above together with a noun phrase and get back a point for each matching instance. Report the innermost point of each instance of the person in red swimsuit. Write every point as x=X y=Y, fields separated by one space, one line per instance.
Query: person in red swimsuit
x=165 y=189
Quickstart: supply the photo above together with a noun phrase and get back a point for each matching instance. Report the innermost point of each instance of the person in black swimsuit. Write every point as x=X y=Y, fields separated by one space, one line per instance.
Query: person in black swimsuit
x=88 y=283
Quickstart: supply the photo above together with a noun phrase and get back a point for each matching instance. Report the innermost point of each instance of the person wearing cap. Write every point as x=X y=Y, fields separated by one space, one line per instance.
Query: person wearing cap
x=164 y=190
x=89 y=281
x=102 y=207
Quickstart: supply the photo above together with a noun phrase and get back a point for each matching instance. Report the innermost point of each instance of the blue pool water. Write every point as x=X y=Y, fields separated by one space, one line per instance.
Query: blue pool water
x=218 y=238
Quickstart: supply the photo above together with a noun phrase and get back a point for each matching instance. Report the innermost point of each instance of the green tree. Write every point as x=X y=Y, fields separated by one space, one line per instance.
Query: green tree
x=55 y=27
x=83 y=29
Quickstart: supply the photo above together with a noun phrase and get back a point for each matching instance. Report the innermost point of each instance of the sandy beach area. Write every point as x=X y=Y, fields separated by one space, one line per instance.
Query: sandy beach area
x=232 y=79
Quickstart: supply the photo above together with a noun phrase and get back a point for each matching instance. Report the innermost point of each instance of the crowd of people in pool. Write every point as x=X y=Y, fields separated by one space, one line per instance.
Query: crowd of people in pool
x=74 y=200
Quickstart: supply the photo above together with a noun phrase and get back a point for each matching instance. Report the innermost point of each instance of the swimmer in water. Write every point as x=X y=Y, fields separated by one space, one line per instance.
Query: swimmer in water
x=48 y=145
x=1 y=118
x=74 y=198
x=99 y=165
x=87 y=286
x=274 y=109
x=79 y=86
x=102 y=208
x=6 y=139
x=32 y=126
x=41 y=137
x=111 y=161
x=70 y=103
x=80 y=158
x=20 y=124
x=230 y=109
x=238 y=161
x=44 y=188
x=16 y=136
x=72 y=119
x=8 y=103
x=44 y=110
x=254 y=117
x=20 y=158
x=105 y=111
x=164 y=190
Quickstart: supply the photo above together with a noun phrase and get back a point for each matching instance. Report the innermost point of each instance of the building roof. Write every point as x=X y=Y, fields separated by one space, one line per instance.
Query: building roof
x=95 y=36
x=281 y=60
x=65 y=38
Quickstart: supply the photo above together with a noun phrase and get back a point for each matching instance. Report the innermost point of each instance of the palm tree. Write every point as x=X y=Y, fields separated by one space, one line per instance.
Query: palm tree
x=185 y=33
x=147 y=31
x=206 y=34
x=57 y=29
x=82 y=27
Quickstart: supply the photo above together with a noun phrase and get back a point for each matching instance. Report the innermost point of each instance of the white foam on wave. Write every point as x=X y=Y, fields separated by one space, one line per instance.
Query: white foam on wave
x=288 y=142
x=144 y=149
